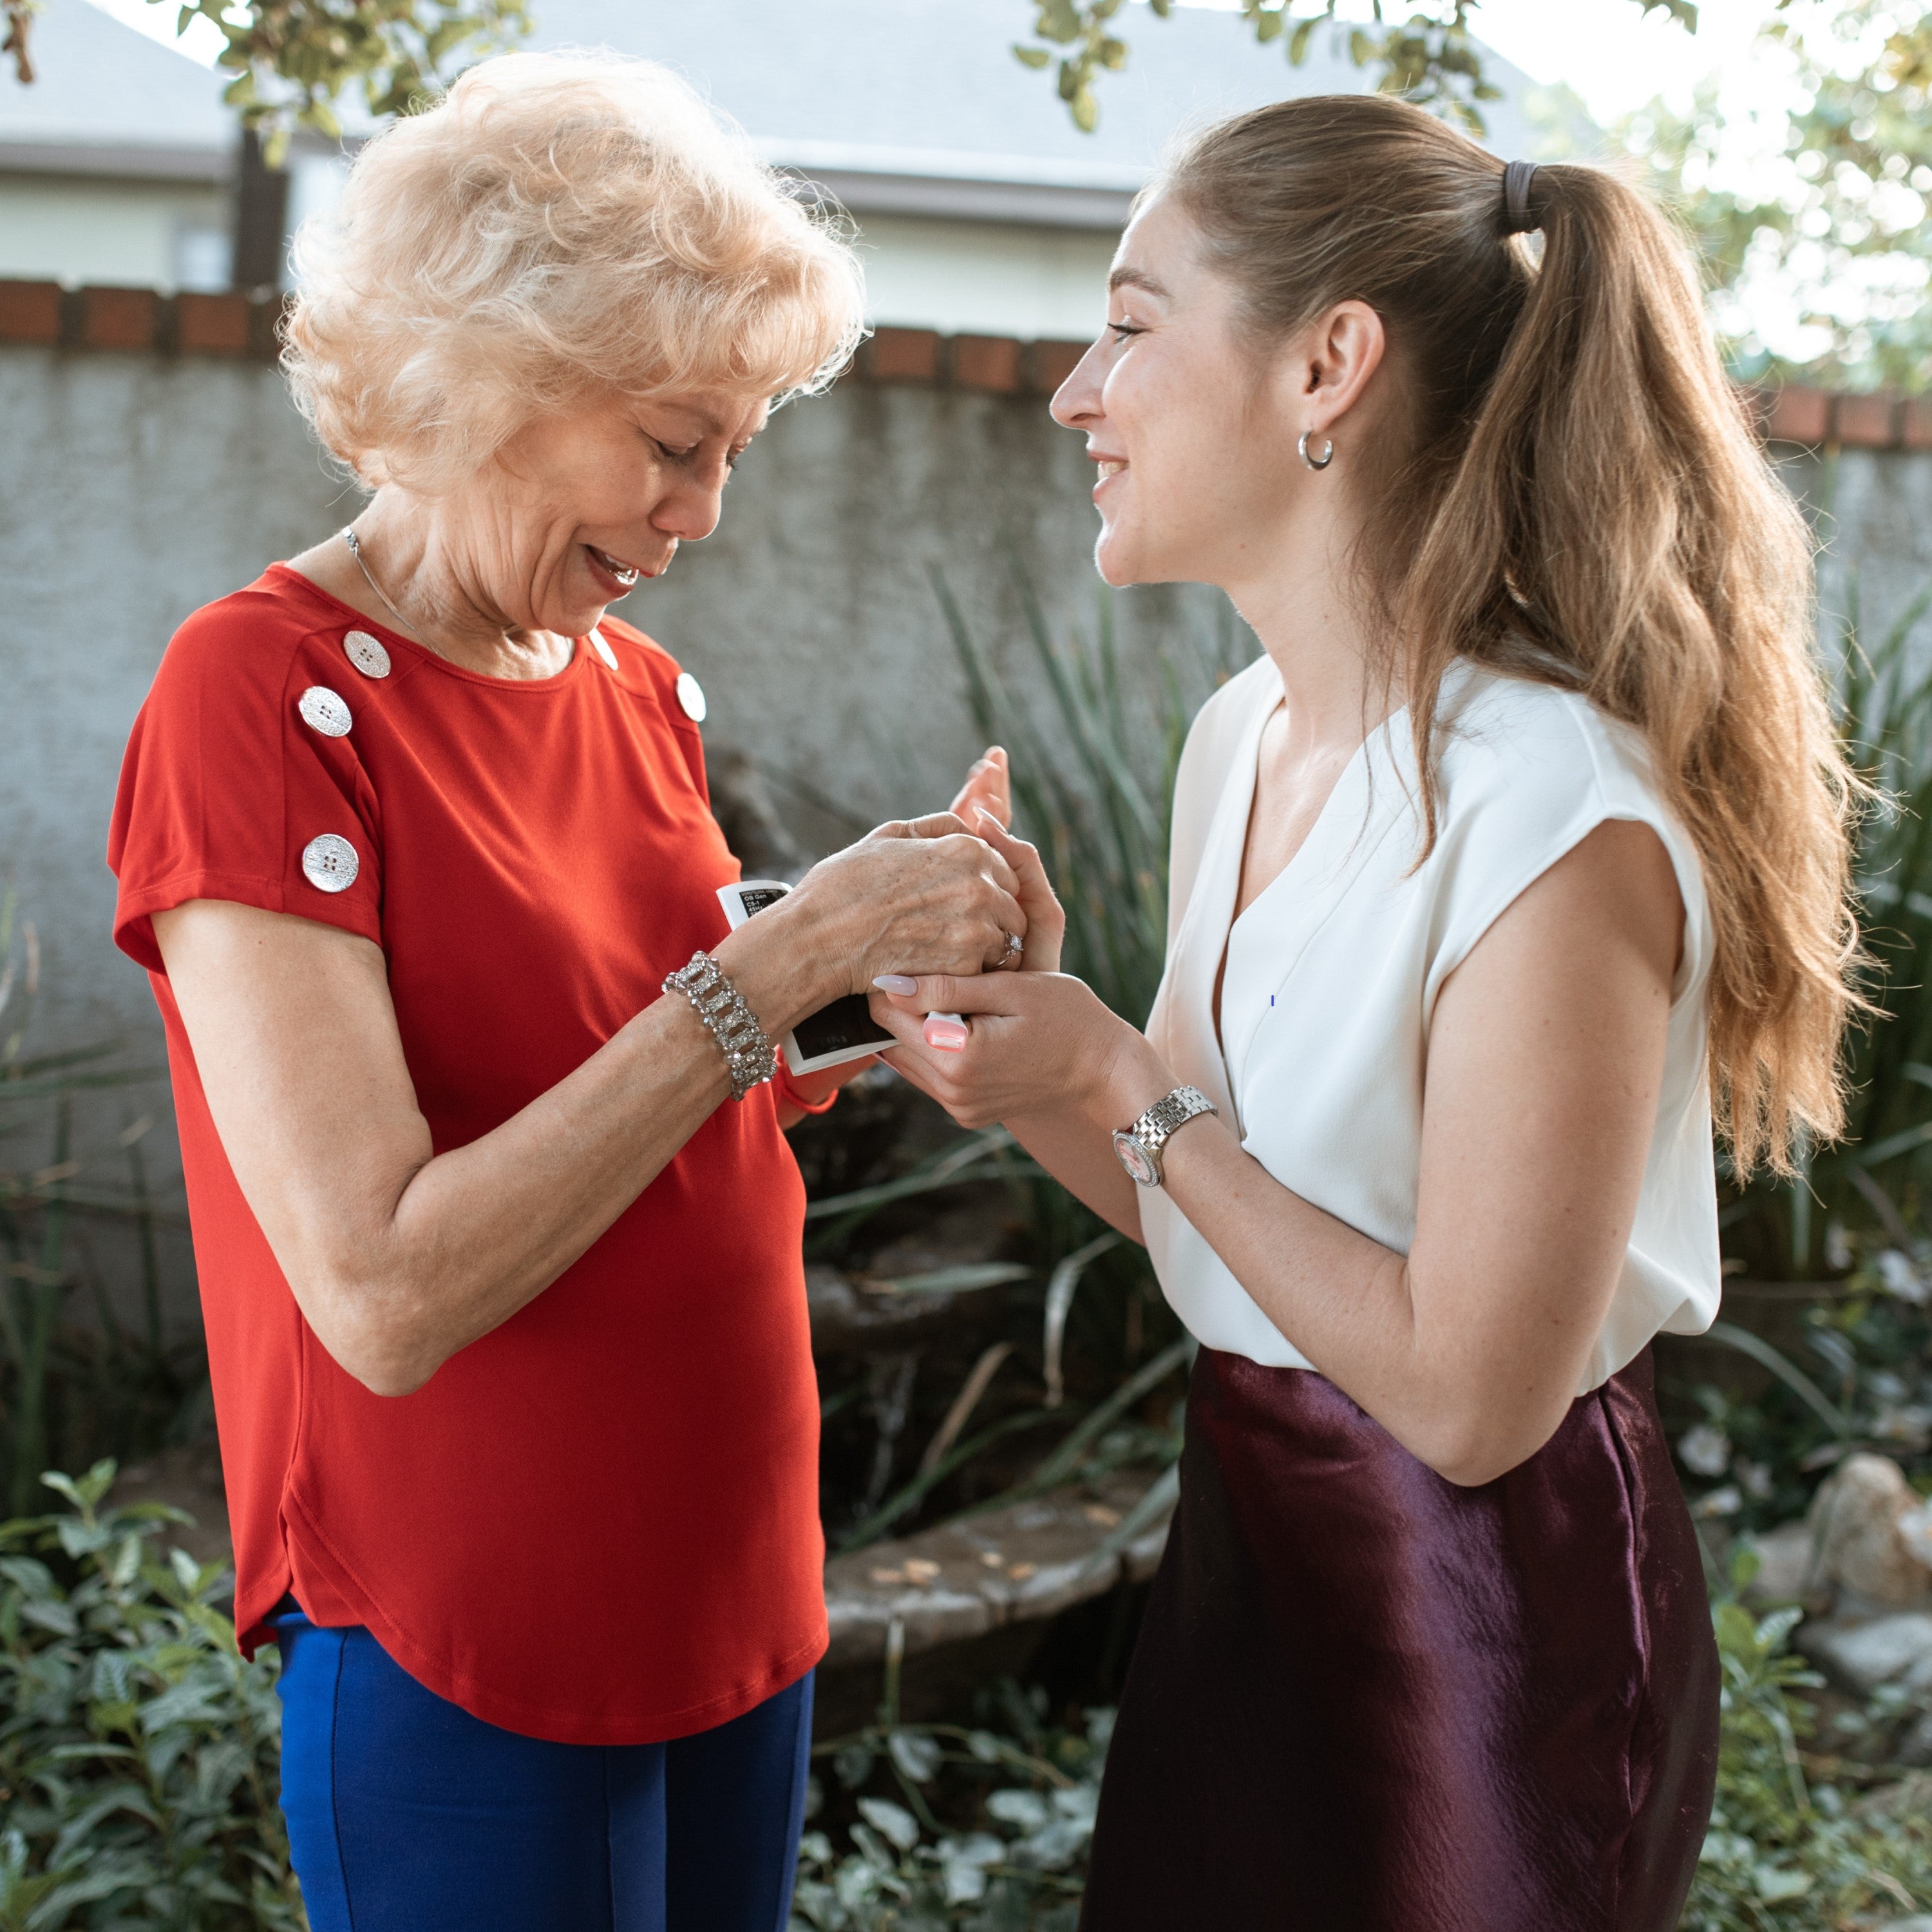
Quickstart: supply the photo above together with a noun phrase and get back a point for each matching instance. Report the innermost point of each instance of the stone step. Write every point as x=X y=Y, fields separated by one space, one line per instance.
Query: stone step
x=1022 y=1563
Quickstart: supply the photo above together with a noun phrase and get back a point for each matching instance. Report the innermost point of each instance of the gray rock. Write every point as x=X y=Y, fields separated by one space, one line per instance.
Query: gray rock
x=1889 y=1806
x=1791 y=1568
x=1855 y=1517
x=1858 y=1657
x=1914 y=1748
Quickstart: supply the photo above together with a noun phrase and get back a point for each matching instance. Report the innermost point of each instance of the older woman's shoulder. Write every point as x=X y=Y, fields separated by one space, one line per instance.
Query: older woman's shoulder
x=642 y=664
x=254 y=638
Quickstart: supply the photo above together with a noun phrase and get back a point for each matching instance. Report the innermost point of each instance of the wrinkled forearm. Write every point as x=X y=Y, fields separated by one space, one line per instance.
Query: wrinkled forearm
x=448 y=1248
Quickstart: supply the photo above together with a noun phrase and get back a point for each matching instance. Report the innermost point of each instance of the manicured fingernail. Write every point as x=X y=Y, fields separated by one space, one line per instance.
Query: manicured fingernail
x=945 y=1035
x=895 y=982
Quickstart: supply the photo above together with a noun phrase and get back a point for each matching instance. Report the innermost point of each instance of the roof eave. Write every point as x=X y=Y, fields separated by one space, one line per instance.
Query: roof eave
x=1034 y=204
x=76 y=155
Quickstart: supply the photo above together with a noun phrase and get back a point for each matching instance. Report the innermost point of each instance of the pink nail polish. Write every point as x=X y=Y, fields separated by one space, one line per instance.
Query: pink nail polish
x=901 y=983
x=945 y=1035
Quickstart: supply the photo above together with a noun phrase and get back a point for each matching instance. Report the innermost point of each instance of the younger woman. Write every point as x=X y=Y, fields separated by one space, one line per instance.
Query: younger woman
x=1522 y=847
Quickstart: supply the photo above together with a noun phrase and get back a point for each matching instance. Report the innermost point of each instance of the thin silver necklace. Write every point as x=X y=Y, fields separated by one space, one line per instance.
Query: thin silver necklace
x=348 y=537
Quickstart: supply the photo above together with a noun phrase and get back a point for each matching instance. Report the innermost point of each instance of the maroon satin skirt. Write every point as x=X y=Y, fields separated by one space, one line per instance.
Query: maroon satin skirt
x=1366 y=1700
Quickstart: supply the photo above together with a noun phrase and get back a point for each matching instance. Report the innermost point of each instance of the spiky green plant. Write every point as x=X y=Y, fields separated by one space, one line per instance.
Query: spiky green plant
x=46 y=1179
x=1877 y=1177
x=1093 y=773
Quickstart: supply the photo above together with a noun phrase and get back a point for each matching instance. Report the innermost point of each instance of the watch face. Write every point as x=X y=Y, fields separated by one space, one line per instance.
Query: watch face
x=1134 y=1158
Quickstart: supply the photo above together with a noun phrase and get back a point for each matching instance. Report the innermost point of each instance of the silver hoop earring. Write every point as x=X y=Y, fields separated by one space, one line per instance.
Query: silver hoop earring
x=1327 y=457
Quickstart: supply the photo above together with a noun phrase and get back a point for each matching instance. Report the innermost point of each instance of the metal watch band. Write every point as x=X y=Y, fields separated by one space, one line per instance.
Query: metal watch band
x=748 y=1053
x=1139 y=1146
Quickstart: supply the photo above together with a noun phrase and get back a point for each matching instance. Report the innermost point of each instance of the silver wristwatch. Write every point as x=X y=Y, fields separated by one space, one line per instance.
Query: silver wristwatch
x=748 y=1052
x=1138 y=1145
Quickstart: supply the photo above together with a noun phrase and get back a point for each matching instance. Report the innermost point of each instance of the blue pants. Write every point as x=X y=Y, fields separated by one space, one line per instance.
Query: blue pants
x=406 y=1814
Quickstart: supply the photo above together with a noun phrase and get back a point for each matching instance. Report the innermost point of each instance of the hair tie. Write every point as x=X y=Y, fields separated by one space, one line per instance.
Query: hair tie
x=1517 y=219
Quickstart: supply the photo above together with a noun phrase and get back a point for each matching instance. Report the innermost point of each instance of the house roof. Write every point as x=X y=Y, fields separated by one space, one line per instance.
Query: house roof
x=918 y=105
x=109 y=101
x=911 y=106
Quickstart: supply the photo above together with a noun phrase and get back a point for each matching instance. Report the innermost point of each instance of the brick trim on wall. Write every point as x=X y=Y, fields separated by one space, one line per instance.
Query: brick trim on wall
x=243 y=327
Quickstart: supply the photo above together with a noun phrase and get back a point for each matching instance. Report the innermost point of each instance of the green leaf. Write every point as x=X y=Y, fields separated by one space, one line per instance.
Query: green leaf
x=1036 y=58
x=916 y=1754
x=1773 y=1882
x=892 y=1821
x=1058 y=21
x=962 y=1278
x=1729 y=1335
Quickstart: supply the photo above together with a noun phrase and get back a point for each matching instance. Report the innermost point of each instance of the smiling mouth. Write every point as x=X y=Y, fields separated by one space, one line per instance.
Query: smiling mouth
x=1109 y=467
x=626 y=573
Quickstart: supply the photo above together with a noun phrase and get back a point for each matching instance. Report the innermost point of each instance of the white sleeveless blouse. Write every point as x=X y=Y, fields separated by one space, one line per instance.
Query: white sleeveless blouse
x=1333 y=974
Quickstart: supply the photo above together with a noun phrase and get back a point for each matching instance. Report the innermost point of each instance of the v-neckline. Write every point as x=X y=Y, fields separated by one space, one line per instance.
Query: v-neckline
x=1237 y=913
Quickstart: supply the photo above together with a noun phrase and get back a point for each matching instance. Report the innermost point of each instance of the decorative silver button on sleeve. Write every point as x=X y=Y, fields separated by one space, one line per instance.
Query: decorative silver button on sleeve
x=329 y=863
x=603 y=650
x=691 y=696
x=366 y=654
x=323 y=710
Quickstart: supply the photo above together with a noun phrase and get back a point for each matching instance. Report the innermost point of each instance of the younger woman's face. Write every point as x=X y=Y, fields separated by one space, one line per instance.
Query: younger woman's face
x=1193 y=432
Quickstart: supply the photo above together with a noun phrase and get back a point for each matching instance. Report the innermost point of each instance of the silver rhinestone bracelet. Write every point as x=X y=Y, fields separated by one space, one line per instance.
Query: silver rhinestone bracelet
x=748 y=1053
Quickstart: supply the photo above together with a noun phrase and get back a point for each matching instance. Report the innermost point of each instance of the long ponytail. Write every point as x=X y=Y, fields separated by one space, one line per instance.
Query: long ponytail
x=1579 y=500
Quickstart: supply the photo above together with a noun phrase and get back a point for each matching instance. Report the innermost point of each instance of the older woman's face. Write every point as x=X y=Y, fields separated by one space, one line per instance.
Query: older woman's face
x=577 y=507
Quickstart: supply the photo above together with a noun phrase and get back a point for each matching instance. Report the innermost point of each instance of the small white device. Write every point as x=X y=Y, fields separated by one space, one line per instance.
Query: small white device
x=843 y=1031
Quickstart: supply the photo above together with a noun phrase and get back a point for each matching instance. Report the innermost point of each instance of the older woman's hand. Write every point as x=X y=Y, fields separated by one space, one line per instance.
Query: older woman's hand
x=922 y=895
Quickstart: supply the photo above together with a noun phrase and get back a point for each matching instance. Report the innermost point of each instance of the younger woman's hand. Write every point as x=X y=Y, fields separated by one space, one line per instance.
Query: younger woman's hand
x=1025 y=1045
x=1046 y=918
x=985 y=806
x=989 y=787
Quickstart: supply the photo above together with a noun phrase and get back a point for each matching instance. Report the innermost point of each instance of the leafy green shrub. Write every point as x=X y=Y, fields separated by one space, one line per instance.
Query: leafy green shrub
x=992 y=1835
x=1783 y=1854
x=138 y=1752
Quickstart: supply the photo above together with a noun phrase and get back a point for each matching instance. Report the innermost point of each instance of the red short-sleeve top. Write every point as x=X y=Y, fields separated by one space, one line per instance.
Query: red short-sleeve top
x=598 y=1523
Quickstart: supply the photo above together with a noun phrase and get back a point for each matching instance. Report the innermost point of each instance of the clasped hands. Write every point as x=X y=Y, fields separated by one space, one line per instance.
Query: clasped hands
x=1026 y=1043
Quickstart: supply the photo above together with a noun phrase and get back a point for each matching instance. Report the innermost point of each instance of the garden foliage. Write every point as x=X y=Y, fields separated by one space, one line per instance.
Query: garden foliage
x=138 y=1751
x=1785 y=1853
x=72 y=1392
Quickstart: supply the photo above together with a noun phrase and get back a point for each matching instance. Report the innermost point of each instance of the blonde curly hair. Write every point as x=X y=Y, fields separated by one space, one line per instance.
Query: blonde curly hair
x=558 y=227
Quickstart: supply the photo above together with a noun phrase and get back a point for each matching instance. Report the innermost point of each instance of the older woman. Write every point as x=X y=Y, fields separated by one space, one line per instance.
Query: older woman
x=498 y=1235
